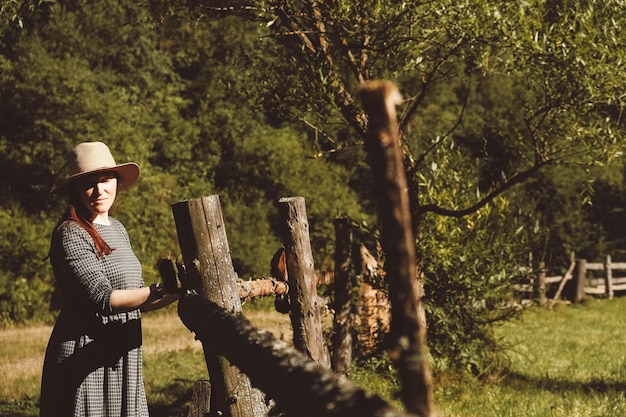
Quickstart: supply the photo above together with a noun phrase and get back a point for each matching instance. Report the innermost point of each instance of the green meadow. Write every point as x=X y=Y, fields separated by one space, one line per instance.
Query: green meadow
x=566 y=362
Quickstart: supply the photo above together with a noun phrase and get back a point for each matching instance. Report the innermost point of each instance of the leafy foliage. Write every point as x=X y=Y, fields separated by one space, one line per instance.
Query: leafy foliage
x=495 y=92
x=470 y=268
x=25 y=279
x=157 y=93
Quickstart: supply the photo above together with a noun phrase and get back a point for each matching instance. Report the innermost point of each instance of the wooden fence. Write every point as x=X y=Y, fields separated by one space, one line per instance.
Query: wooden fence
x=608 y=283
x=581 y=279
x=249 y=369
x=301 y=381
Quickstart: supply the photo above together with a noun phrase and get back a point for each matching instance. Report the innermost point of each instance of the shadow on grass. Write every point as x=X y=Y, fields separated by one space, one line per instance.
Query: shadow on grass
x=180 y=391
x=595 y=386
x=27 y=407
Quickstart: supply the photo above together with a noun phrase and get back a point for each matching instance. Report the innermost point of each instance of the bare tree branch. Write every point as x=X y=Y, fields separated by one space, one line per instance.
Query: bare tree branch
x=516 y=179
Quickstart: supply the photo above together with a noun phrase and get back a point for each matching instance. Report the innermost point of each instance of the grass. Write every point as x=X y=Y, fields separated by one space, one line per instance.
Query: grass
x=173 y=361
x=566 y=362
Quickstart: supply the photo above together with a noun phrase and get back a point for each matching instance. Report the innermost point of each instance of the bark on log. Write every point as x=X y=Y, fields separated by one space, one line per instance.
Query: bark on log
x=299 y=385
x=372 y=318
x=175 y=282
x=408 y=332
x=261 y=288
x=305 y=310
x=210 y=272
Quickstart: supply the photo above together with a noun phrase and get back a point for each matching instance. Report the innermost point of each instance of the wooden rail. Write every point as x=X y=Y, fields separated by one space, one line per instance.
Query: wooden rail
x=299 y=385
x=608 y=283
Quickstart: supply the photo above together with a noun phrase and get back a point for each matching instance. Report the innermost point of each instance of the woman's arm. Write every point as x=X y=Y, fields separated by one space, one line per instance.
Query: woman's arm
x=146 y=298
x=126 y=300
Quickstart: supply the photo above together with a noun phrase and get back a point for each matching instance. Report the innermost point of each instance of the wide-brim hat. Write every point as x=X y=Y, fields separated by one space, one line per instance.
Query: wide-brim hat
x=93 y=157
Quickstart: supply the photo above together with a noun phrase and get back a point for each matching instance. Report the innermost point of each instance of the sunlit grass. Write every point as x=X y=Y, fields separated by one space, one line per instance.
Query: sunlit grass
x=566 y=362
x=173 y=361
x=21 y=358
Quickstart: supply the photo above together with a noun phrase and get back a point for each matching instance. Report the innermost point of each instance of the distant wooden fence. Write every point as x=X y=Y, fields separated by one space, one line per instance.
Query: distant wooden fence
x=608 y=283
x=581 y=279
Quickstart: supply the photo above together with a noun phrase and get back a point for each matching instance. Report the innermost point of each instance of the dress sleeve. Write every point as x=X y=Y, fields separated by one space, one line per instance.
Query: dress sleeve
x=79 y=271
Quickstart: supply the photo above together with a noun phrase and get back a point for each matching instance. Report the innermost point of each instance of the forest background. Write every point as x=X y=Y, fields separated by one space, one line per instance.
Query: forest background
x=512 y=126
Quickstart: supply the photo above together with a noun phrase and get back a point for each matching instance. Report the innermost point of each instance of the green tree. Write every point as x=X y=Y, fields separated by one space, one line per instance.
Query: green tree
x=255 y=163
x=148 y=84
x=64 y=81
x=494 y=93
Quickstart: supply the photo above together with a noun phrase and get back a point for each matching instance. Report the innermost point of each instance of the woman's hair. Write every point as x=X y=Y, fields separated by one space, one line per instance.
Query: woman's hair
x=78 y=213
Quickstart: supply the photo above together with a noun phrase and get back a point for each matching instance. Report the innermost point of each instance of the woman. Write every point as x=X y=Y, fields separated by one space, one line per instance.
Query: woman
x=93 y=360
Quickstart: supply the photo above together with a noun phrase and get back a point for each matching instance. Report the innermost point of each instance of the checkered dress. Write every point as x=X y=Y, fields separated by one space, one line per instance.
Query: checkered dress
x=93 y=361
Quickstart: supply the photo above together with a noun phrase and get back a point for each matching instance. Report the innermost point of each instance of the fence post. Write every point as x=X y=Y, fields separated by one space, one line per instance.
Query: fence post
x=579 y=277
x=209 y=270
x=305 y=312
x=540 y=284
x=408 y=330
x=200 y=404
x=342 y=325
x=608 y=278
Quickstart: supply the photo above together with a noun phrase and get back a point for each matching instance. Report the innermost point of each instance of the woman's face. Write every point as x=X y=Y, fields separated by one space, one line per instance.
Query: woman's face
x=97 y=192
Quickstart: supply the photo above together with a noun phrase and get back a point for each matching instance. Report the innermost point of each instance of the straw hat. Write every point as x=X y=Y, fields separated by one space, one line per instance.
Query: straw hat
x=93 y=157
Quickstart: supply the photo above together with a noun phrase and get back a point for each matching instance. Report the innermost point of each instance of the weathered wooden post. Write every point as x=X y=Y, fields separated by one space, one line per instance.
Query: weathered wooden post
x=200 y=404
x=578 y=286
x=540 y=284
x=408 y=330
x=608 y=278
x=305 y=312
x=342 y=325
x=209 y=271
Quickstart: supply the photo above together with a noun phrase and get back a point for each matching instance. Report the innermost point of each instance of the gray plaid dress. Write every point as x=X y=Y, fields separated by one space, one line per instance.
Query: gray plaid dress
x=93 y=360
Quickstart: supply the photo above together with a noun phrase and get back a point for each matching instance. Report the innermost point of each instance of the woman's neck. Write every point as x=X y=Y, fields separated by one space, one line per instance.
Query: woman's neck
x=102 y=218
